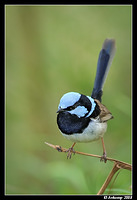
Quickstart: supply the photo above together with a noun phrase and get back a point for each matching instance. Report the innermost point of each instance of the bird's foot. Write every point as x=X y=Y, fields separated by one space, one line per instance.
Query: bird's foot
x=104 y=157
x=70 y=151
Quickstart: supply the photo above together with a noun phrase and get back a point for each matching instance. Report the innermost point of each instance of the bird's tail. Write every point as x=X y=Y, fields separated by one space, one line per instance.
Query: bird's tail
x=104 y=62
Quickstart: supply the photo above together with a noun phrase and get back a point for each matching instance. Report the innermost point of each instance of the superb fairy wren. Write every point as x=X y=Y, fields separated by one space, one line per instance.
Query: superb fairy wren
x=83 y=118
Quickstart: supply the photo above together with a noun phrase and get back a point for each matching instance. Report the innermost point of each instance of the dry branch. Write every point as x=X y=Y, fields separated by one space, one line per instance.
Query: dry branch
x=117 y=164
x=120 y=164
x=109 y=178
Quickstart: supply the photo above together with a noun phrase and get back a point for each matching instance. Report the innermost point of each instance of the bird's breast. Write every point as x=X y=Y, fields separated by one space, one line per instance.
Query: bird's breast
x=80 y=129
x=69 y=124
x=94 y=131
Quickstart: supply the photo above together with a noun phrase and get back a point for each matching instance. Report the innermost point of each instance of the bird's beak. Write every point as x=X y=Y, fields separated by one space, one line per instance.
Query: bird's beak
x=59 y=110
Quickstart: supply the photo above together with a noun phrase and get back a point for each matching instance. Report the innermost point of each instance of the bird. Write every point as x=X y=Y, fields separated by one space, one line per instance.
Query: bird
x=82 y=118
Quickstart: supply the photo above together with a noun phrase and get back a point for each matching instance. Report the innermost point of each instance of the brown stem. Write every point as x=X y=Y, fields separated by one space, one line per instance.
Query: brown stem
x=120 y=164
x=109 y=178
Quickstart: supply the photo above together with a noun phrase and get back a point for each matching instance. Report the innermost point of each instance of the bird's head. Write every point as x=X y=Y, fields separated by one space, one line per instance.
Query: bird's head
x=76 y=104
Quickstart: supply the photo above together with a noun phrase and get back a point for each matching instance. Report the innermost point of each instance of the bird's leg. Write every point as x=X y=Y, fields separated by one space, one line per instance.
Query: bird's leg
x=70 y=150
x=104 y=156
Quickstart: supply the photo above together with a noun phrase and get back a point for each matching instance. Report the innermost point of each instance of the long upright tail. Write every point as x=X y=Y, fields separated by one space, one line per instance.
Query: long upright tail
x=104 y=62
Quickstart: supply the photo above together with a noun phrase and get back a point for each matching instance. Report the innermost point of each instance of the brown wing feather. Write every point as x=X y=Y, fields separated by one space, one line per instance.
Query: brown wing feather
x=105 y=114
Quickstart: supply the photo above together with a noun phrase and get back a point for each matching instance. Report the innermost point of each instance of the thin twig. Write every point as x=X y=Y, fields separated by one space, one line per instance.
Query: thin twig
x=109 y=178
x=119 y=163
x=114 y=181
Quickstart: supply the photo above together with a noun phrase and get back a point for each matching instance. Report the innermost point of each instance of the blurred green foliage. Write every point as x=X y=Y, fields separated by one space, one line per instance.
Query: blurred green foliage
x=51 y=50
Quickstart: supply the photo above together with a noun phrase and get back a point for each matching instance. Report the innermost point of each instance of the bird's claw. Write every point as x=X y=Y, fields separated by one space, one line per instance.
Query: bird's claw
x=104 y=157
x=70 y=151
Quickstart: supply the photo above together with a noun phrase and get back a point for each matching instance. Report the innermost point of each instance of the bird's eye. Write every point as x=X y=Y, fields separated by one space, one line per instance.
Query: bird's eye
x=70 y=108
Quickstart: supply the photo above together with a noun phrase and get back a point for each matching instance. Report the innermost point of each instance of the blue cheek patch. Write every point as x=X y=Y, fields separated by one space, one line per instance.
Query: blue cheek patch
x=93 y=106
x=80 y=111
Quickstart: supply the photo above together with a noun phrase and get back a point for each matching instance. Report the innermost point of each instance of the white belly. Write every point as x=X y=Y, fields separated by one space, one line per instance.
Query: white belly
x=94 y=131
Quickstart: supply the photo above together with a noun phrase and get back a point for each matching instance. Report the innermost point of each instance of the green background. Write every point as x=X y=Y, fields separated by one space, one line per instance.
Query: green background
x=51 y=50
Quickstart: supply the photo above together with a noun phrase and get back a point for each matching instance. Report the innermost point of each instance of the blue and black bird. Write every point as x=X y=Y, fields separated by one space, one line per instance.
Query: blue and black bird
x=84 y=118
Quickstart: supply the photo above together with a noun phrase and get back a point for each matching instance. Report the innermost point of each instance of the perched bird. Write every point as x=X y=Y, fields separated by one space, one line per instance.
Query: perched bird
x=83 y=118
